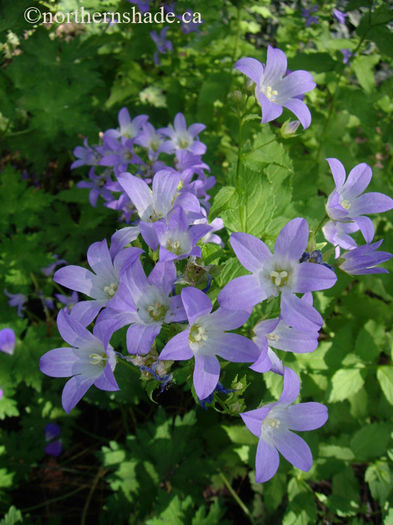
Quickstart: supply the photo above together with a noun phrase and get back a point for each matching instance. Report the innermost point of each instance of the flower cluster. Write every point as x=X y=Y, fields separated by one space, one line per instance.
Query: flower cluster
x=152 y=279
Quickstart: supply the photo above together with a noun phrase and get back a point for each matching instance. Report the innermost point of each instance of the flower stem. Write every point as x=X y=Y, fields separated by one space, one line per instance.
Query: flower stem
x=236 y=498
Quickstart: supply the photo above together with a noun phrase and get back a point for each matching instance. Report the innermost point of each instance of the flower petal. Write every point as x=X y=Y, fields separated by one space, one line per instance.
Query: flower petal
x=138 y=191
x=253 y=418
x=300 y=110
x=140 y=338
x=311 y=277
x=372 y=202
x=177 y=348
x=76 y=278
x=270 y=110
x=107 y=380
x=73 y=391
x=196 y=303
x=291 y=387
x=266 y=462
x=251 y=67
x=237 y=348
x=338 y=171
x=299 y=314
x=307 y=416
x=292 y=239
x=366 y=226
x=100 y=261
x=241 y=293
x=294 y=449
x=229 y=319
x=206 y=375
x=58 y=362
x=276 y=66
x=250 y=251
x=358 y=180
x=7 y=340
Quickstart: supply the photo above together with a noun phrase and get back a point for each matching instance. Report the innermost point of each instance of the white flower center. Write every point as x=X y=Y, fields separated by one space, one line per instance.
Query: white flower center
x=272 y=338
x=272 y=422
x=157 y=311
x=345 y=204
x=269 y=93
x=111 y=289
x=98 y=359
x=279 y=278
x=153 y=306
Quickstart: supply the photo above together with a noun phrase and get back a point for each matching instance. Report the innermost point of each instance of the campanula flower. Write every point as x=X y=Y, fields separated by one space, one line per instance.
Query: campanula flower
x=274 y=89
x=7 y=341
x=54 y=446
x=364 y=259
x=88 y=361
x=183 y=138
x=18 y=300
x=207 y=338
x=273 y=424
x=163 y=45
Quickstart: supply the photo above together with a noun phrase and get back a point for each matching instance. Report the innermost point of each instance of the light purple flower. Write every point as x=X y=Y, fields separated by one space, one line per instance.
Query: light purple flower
x=348 y=204
x=364 y=259
x=144 y=304
x=101 y=285
x=7 y=341
x=68 y=301
x=206 y=338
x=274 y=89
x=339 y=16
x=306 y=13
x=347 y=54
x=86 y=156
x=183 y=138
x=143 y=5
x=273 y=425
x=277 y=273
x=153 y=140
x=18 y=300
x=88 y=361
x=216 y=225
x=128 y=128
x=177 y=238
x=190 y=26
x=163 y=45
x=54 y=446
x=48 y=270
x=97 y=186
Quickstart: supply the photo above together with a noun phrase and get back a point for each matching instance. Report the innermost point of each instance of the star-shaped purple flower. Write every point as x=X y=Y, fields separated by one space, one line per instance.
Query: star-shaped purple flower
x=273 y=425
x=183 y=138
x=206 y=338
x=364 y=259
x=275 y=89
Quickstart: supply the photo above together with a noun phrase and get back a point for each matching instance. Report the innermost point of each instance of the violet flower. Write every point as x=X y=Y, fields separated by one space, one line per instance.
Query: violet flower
x=183 y=138
x=18 y=300
x=7 y=341
x=143 y=5
x=339 y=16
x=274 y=89
x=277 y=273
x=68 y=301
x=348 y=204
x=273 y=424
x=48 y=270
x=310 y=19
x=101 y=285
x=97 y=186
x=206 y=338
x=163 y=45
x=153 y=141
x=54 y=446
x=128 y=128
x=88 y=361
x=347 y=54
x=86 y=156
x=364 y=259
x=144 y=304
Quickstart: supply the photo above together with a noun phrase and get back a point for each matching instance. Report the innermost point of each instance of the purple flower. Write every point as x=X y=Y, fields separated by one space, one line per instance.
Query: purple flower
x=364 y=259
x=128 y=128
x=68 y=301
x=339 y=16
x=306 y=13
x=118 y=155
x=153 y=140
x=348 y=204
x=18 y=300
x=177 y=239
x=190 y=26
x=144 y=304
x=274 y=90
x=163 y=45
x=88 y=362
x=48 y=270
x=206 y=338
x=97 y=186
x=273 y=425
x=143 y=5
x=277 y=273
x=183 y=138
x=7 y=341
x=54 y=446
x=216 y=225
x=101 y=285
x=347 y=54
x=86 y=156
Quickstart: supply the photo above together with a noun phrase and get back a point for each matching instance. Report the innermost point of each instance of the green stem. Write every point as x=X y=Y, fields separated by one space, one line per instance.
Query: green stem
x=53 y=500
x=236 y=498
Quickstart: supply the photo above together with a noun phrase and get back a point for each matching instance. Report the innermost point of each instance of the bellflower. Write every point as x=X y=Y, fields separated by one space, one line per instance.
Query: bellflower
x=7 y=341
x=86 y=156
x=88 y=361
x=277 y=273
x=54 y=446
x=364 y=259
x=48 y=270
x=153 y=141
x=206 y=338
x=273 y=425
x=339 y=16
x=18 y=300
x=274 y=89
x=348 y=204
x=128 y=128
x=183 y=138
x=144 y=304
x=177 y=238
x=100 y=285
x=97 y=186
x=310 y=19
x=163 y=45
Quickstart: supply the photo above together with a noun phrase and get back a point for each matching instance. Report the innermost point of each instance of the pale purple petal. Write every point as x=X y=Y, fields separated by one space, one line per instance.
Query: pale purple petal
x=267 y=326
x=306 y=416
x=180 y=122
x=85 y=311
x=294 y=449
x=270 y=110
x=250 y=67
x=237 y=348
x=300 y=110
x=292 y=340
x=72 y=331
x=311 y=277
x=250 y=251
x=177 y=348
x=276 y=66
x=372 y=202
x=137 y=190
x=58 y=362
x=295 y=84
x=266 y=461
x=75 y=278
x=229 y=319
x=291 y=388
x=163 y=275
x=100 y=261
x=263 y=363
x=73 y=391
x=206 y=375
x=299 y=314
x=338 y=171
x=241 y=293
x=253 y=418
x=122 y=237
x=366 y=226
x=107 y=380
x=358 y=180
x=195 y=129
x=124 y=118
x=292 y=240
x=164 y=190
x=7 y=340
x=196 y=303
x=140 y=338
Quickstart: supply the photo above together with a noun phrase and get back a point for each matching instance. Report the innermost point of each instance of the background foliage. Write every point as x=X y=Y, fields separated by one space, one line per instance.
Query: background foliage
x=126 y=459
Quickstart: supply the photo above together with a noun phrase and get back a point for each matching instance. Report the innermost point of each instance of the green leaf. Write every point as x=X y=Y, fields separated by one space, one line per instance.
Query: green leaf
x=378 y=478
x=13 y=516
x=364 y=70
x=345 y=383
x=371 y=441
x=385 y=379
